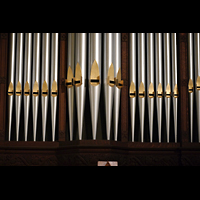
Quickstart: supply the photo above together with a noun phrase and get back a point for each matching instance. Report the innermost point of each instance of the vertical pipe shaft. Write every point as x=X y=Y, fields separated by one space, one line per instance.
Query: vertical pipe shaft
x=35 y=80
x=191 y=93
x=117 y=91
x=94 y=90
x=159 y=80
x=45 y=80
x=174 y=82
x=70 y=91
x=132 y=81
x=167 y=81
x=141 y=80
x=108 y=90
x=11 y=76
x=27 y=80
x=54 y=81
x=81 y=49
x=150 y=80
x=18 y=80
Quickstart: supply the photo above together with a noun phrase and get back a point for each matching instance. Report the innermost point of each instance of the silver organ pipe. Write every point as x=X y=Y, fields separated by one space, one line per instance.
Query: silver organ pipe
x=141 y=81
x=132 y=89
x=80 y=77
x=11 y=78
x=18 y=80
x=27 y=80
x=45 y=80
x=69 y=81
x=54 y=81
x=94 y=74
x=36 y=80
x=191 y=81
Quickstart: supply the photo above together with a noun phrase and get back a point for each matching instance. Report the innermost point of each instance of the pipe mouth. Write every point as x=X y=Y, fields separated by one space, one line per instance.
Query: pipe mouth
x=54 y=89
x=141 y=90
x=10 y=89
x=44 y=92
x=18 y=91
x=94 y=74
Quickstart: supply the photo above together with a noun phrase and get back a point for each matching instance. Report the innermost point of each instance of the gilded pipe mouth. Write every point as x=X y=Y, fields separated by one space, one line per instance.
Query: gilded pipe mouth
x=190 y=86
x=176 y=93
x=69 y=82
x=10 y=89
x=198 y=83
x=132 y=90
x=78 y=76
x=118 y=82
x=18 y=91
x=151 y=91
x=44 y=89
x=159 y=91
x=26 y=89
x=141 y=90
x=94 y=74
x=54 y=89
x=110 y=77
x=168 y=91
x=35 y=89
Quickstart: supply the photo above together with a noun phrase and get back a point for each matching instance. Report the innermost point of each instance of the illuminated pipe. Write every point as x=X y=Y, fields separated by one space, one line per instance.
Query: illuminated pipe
x=167 y=81
x=150 y=80
x=159 y=81
x=132 y=89
x=141 y=81
x=94 y=72
x=45 y=80
x=11 y=76
x=190 y=83
x=80 y=78
x=18 y=80
x=54 y=81
x=36 y=80
x=175 y=82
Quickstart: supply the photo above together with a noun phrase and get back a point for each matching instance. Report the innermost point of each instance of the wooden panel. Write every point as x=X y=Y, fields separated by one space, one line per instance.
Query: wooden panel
x=124 y=90
x=3 y=82
x=62 y=88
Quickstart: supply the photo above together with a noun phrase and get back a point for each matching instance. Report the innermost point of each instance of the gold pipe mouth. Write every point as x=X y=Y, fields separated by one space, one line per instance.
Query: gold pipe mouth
x=151 y=93
x=190 y=86
x=69 y=82
x=54 y=89
x=35 y=89
x=26 y=89
x=110 y=77
x=18 y=91
x=141 y=90
x=198 y=83
x=10 y=89
x=132 y=90
x=168 y=91
x=176 y=93
x=44 y=89
x=118 y=81
x=78 y=76
x=159 y=91
x=94 y=74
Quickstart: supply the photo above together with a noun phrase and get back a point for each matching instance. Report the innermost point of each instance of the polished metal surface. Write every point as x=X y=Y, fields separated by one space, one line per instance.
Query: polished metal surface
x=132 y=76
x=150 y=80
x=80 y=58
x=45 y=79
x=108 y=90
x=159 y=80
x=36 y=80
x=54 y=79
x=174 y=81
x=11 y=79
x=167 y=80
x=18 y=79
x=27 y=79
x=94 y=91
x=117 y=91
x=70 y=91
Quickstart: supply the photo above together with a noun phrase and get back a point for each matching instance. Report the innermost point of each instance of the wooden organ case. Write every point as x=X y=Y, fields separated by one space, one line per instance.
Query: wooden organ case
x=87 y=151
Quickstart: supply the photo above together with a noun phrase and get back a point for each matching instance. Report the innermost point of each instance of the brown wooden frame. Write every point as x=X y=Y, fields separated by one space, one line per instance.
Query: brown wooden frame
x=89 y=152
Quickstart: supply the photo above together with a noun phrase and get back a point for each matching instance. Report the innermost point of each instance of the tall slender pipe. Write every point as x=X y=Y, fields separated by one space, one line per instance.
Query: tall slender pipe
x=108 y=79
x=94 y=72
x=70 y=74
x=11 y=76
x=80 y=77
x=150 y=80
x=117 y=69
x=167 y=81
x=54 y=81
x=27 y=80
x=159 y=81
x=35 y=80
x=45 y=80
x=132 y=91
x=175 y=82
x=18 y=80
x=141 y=80
x=191 y=81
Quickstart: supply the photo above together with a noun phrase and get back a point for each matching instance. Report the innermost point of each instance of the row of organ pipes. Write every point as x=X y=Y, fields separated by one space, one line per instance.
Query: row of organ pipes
x=110 y=81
